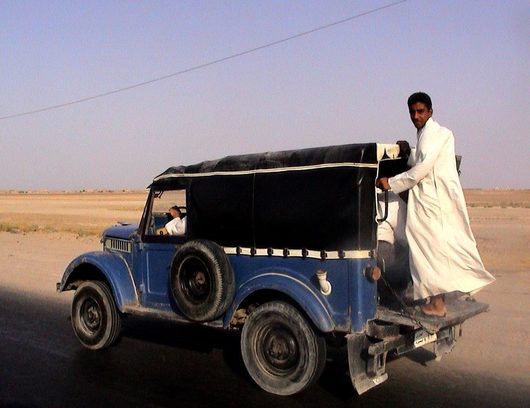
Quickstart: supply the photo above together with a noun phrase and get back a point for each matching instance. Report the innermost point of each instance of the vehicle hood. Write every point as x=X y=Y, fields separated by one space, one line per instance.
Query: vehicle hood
x=123 y=231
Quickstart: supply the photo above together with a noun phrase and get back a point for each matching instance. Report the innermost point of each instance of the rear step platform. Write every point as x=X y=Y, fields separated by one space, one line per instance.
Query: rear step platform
x=458 y=310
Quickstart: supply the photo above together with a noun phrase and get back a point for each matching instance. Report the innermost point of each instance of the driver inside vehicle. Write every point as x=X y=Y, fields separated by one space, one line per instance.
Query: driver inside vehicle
x=177 y=224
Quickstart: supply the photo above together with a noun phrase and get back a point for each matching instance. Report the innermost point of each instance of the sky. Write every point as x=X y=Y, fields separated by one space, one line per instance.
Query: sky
x=345 y=84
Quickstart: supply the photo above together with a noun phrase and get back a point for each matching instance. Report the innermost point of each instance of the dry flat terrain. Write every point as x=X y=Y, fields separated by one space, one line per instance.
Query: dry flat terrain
x=41 y=233
x=78 y=213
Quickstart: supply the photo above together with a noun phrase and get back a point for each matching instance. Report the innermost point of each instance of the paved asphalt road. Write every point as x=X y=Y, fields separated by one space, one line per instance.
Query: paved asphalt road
x=164 y=365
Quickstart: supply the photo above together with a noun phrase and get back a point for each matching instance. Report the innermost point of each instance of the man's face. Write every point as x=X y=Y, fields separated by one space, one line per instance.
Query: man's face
x=419 y=114
x=174 y=213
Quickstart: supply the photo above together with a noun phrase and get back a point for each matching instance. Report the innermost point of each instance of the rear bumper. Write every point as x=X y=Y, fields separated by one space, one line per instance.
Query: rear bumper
x=367 y=359
x=402 y=332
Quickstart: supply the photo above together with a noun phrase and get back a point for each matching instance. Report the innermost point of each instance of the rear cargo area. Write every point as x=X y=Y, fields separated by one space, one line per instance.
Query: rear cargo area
x=458 y=311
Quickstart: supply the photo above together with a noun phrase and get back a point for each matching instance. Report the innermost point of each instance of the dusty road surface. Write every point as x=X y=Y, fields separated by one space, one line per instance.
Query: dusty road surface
x=160 y=364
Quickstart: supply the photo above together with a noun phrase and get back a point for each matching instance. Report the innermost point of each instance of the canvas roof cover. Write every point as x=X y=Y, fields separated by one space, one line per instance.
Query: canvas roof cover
x=318 y=198
x=360 y=154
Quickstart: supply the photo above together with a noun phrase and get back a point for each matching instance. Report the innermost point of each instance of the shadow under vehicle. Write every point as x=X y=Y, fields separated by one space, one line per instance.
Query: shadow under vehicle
x=279 y=246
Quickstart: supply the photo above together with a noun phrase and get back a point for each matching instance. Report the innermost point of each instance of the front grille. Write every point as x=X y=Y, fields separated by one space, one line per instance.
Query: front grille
x=120 y=245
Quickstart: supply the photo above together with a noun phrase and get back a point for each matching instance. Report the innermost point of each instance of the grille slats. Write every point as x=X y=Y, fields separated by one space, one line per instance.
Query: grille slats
x=120 y=245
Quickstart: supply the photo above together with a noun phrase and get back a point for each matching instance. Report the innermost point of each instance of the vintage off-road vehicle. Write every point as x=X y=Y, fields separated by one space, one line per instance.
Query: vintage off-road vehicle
x=280 y=246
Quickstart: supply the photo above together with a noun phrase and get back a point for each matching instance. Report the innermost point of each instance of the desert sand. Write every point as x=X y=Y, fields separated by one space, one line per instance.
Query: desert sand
x=41 y=232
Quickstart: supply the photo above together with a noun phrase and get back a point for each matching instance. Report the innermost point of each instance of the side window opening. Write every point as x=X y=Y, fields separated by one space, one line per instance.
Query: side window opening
x=164 y=204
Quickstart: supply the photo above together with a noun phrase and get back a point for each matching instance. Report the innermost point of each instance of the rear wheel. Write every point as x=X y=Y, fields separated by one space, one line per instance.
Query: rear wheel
x=95 y=317
x=282 y=352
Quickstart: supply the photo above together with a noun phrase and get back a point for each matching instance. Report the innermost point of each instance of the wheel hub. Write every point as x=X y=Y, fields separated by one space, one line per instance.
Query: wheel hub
x=92 y=315
x=195 y=282
x=281 y=349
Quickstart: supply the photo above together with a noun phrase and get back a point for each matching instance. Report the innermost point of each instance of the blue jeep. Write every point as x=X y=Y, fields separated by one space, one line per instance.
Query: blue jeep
x=280 y=246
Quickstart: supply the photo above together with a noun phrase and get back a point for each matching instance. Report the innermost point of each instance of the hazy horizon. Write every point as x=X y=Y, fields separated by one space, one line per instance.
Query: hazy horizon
x=146 y=190
x=346 y=84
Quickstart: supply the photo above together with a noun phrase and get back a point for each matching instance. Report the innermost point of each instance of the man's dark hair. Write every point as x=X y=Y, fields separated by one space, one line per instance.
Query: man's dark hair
x=176 y=209
x=420 y=97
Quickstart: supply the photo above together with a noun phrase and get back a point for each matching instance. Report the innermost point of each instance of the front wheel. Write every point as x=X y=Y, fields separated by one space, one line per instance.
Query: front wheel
x=95 y=317
x=282 y=352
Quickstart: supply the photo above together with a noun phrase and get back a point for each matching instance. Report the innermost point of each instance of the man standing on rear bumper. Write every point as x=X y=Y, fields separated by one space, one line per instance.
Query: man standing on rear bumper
x=443 y=252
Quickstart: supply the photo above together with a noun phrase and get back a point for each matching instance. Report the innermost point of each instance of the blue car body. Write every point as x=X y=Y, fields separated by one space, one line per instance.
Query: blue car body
x=138 y=275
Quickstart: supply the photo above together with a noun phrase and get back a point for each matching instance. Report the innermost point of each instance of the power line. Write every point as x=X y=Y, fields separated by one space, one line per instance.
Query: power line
x=206 y=64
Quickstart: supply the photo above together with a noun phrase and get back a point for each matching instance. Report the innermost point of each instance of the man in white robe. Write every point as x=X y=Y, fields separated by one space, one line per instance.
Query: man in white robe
x=177 y=225
x=443 y=252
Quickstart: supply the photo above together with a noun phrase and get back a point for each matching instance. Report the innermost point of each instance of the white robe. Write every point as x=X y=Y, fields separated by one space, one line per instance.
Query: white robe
x=176 y=226
x=443 y=252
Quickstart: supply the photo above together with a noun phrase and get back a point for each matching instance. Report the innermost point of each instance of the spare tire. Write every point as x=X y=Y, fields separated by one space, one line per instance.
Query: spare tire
x=202 y=280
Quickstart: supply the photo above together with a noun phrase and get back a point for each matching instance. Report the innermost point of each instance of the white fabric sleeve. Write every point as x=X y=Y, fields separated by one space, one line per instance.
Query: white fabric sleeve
x=429 y=147
x=171 y=226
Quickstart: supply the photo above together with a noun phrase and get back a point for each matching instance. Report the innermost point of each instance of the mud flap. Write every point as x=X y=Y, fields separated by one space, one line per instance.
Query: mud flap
x=446 y=345
x=366 y=371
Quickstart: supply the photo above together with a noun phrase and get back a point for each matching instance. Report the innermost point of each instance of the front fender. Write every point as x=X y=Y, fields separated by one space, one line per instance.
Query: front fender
x=114 y=269
x=305 y=296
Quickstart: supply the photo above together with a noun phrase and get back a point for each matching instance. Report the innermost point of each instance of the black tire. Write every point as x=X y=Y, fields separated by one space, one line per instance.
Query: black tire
x=202 y=280
x=282 y=352
x=95 y=317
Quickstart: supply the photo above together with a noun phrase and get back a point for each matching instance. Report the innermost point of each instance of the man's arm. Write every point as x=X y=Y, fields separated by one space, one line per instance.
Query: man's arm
x=428 y=150
x=180 y=227
x=170 y=227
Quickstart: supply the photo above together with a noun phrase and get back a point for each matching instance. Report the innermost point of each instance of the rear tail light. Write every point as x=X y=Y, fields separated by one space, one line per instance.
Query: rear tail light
x=373 y=273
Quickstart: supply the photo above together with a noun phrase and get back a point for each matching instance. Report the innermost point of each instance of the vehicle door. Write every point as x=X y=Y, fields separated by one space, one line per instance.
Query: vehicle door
x=159 y=246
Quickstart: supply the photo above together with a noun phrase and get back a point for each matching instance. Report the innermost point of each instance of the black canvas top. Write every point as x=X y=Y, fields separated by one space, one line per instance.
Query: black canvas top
x=352 y=154
x=318 y=198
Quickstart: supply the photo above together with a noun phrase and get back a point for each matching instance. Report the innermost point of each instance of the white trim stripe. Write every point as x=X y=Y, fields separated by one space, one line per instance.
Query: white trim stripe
x=273 y=170
x=298 y=253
